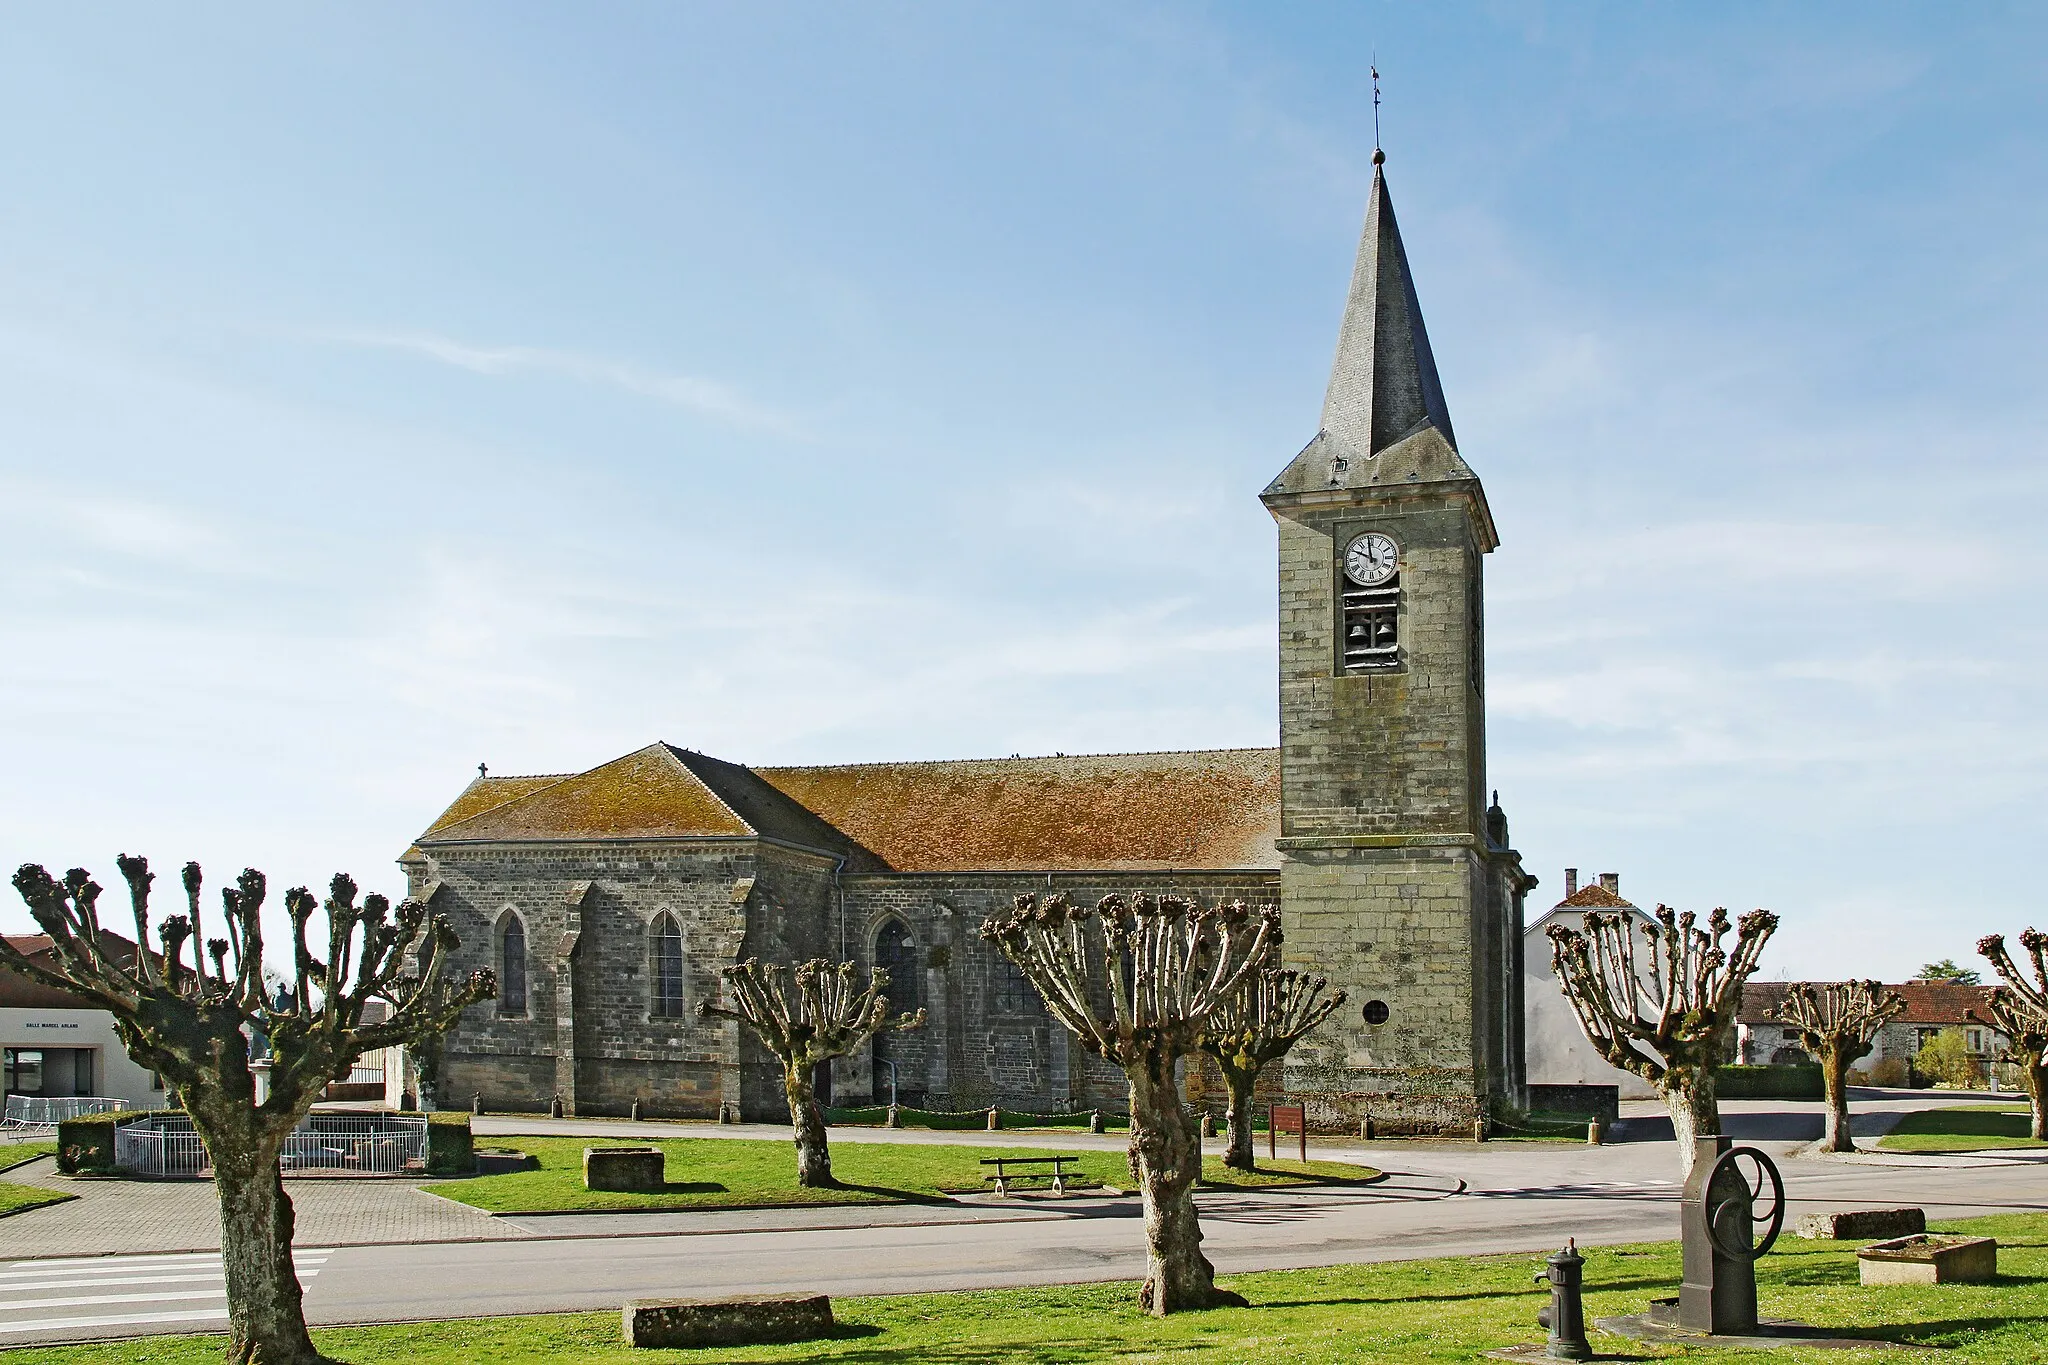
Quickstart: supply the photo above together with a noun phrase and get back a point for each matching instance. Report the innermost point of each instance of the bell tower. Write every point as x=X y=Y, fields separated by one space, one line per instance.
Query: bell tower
x=1396 y=877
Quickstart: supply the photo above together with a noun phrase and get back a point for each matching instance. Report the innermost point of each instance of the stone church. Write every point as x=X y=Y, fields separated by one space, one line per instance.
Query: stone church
x=608 y=900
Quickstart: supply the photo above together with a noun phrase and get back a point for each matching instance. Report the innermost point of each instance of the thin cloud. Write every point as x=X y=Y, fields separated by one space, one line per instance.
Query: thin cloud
x=707 y=397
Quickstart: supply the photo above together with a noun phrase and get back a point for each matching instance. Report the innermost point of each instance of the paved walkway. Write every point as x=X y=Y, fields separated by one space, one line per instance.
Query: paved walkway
x=128 y=1216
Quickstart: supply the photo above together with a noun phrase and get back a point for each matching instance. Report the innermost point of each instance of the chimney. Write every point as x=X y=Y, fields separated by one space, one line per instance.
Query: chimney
x=1611 y=882
x=1571 y=882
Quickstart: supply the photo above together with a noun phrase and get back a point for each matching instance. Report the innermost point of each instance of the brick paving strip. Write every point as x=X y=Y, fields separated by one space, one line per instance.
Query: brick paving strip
x=112 y=1217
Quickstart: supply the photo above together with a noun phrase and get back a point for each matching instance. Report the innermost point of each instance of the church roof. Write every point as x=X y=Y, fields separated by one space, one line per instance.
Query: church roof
x=1216 y=809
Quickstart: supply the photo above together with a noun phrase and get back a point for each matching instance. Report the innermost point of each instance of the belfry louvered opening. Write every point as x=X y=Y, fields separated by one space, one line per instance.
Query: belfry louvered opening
x=1372 y=626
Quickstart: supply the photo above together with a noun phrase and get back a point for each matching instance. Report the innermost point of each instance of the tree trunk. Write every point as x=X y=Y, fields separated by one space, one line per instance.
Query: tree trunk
x=1237 y=1147
x=1694 y=1110
x=1836 y=1137
x=1166 y=1154
x=266 y=1319
x=2034 y=1074
x=813 y=1156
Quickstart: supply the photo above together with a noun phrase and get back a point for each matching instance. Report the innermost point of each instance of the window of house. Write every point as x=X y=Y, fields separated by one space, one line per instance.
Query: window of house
x=665 y=948
x=511 y=967
x=896 y=954
x=1923 y=1036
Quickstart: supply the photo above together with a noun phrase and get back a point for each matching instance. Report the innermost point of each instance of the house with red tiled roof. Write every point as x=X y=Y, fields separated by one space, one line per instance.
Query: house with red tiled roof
x=1931 y=1008
x=609 y=900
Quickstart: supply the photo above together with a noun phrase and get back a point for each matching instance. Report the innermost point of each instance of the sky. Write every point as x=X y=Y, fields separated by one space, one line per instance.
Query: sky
x=386 y=389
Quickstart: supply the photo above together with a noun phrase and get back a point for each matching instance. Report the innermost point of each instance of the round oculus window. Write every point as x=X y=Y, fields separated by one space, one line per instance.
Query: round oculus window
x=1376 y=1012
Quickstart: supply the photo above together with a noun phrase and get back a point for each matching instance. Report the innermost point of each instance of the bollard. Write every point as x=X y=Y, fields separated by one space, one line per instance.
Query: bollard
x=1208 y=1124
x=895 y=1118
x=995 y=1120
x=476 y=1103
x=555 y=1107
x=1479 y=1129
x=1095 y=1124
x=1365 y=1129
x=1594 y=1133
x=636 y=1109
x=1566 y=1317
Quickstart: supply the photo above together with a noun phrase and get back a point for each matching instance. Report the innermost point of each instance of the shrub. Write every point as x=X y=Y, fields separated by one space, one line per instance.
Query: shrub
x=85 y=1145
x=451 y=1148
x=1891 y=1071
x=1946 y=1060
x=1770 y=1082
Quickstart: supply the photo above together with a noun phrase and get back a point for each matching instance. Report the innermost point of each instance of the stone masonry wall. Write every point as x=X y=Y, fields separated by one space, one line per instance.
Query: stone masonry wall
x=587 y=911
x=1388 y=753
x=975 y=1050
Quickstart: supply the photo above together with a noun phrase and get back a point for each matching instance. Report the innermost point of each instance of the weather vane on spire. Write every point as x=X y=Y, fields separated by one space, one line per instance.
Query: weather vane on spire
x=1378 y=156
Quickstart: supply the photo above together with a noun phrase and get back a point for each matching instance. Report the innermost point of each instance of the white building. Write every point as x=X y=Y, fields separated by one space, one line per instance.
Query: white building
x=1557 y=1051
x=53 y=1046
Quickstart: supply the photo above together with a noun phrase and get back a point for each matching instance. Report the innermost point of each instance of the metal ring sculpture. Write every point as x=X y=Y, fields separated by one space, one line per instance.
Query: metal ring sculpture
x=1763 y=1209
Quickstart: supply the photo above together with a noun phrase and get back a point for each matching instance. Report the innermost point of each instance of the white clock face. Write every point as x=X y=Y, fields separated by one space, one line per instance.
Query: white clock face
x=1371 y=559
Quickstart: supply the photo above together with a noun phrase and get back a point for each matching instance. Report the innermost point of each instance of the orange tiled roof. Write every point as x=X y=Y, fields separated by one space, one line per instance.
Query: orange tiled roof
x=1218 y=808
x=1215 y=809
x=1593 y=896
x=1927 y=1002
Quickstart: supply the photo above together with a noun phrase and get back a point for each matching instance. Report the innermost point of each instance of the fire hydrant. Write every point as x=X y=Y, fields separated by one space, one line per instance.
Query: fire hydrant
x=1565 y=1319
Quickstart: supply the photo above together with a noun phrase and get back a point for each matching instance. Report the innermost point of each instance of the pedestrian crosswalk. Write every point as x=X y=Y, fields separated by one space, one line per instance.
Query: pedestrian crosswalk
x=88 y=1293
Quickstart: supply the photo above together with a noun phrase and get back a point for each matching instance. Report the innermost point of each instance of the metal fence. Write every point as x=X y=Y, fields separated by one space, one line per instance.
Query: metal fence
x=361 y=1144
x=33 y=1111
x=367 y=1072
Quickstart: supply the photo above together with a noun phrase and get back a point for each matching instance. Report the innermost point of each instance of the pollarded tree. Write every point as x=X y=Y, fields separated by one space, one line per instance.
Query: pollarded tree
x=1141 y=983
x=191 y=1025
x=1664 y=1012
x=816 y=1016
x=1269 y=1013
x=1836 y=1021
x=2018 y=1008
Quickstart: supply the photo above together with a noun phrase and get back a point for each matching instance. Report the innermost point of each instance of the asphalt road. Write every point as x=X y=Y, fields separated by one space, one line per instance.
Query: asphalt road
x=1439 y=1200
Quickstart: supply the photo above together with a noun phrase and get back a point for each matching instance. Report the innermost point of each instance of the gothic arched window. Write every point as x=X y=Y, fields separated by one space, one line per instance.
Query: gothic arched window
x=665 y=951
x=511 y=966
x=896 y=954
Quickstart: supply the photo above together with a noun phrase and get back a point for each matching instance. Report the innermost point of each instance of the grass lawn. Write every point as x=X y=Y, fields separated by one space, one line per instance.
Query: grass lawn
x=1963 y=1128
x=1400 y=1313
x=711 y=1173
x=14 y=1154
x=15 y=1198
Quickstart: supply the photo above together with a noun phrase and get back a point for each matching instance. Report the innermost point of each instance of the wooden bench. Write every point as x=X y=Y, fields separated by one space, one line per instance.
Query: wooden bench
x=1004 y=1177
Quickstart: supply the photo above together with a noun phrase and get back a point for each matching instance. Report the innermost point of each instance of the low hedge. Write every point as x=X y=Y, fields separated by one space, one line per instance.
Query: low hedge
x=85 y=1145
x=1770 y=1082
x=451 y=1147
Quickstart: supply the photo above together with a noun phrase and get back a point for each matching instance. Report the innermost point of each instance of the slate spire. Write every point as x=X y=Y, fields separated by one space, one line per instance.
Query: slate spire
x=1383 y=384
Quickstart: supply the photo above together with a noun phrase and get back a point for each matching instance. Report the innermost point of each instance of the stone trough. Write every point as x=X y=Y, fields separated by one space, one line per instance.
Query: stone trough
x=1854 y=1227
x=736 y=1321
x=1930 y=1259
x=634 y=1170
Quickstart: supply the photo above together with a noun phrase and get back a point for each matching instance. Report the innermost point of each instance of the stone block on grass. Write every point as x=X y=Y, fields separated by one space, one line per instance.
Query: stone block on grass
x=633 y=1170
x=1929 y=1260
x=1853 y=1227
x=739 y=1320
